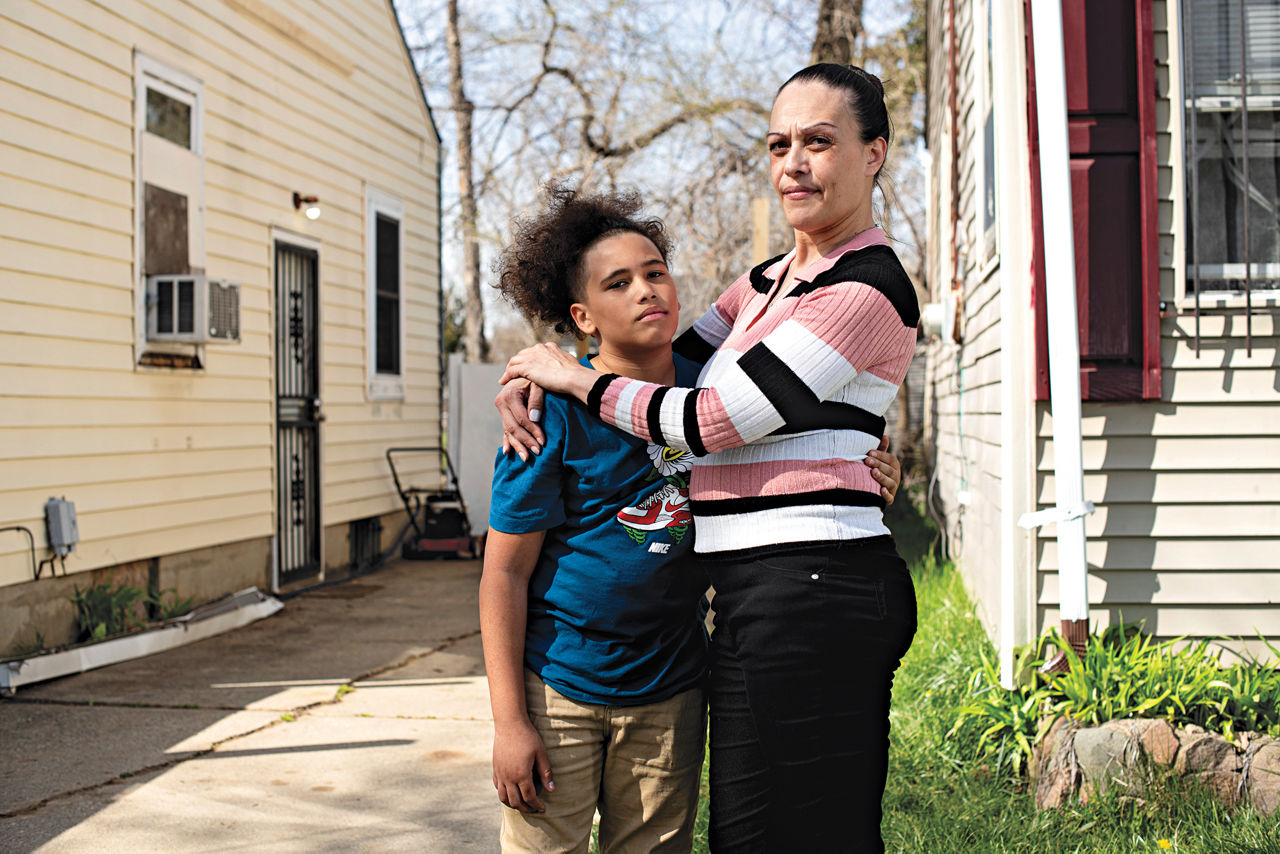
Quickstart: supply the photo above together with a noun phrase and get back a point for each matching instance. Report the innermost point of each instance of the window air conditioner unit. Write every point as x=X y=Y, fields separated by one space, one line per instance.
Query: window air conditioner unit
x=192 y=309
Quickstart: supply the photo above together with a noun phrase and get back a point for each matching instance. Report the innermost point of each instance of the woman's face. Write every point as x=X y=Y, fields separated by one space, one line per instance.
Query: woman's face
x=628 y=297
x=822 y=170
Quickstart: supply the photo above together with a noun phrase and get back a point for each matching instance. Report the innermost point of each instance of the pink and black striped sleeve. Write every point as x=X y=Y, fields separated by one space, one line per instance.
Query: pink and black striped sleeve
x=784 y=383
x=708 y=332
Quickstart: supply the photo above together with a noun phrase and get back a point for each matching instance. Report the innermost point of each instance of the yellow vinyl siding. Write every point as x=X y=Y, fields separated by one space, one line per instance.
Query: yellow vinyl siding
x=965 y=377
x=160 y=461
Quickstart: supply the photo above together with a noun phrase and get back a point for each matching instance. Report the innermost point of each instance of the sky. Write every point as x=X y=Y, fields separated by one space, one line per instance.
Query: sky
x=762 y=42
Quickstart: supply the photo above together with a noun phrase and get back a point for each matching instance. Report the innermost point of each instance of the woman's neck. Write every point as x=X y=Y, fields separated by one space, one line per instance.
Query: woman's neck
x=812 y=245
x=650 y=366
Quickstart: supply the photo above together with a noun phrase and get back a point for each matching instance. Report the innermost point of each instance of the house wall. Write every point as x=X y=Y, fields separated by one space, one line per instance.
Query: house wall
x=965 y=375
x=1187 y=532
x=319 y=98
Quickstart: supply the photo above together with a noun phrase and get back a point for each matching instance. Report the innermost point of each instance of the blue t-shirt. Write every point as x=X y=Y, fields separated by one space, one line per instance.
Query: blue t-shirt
x=614 y=600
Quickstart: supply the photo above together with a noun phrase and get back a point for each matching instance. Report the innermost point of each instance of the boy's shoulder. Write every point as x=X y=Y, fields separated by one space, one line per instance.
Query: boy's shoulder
x=687 y=371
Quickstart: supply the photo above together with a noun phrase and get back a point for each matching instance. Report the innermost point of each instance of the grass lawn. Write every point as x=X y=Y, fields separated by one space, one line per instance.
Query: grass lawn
x=941 y=800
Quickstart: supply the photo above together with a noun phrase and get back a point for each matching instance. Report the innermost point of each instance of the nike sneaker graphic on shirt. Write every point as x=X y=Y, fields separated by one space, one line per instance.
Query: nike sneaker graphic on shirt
x=665 y=508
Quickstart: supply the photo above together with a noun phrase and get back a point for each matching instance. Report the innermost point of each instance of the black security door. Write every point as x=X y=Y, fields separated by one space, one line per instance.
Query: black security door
x=298 y=412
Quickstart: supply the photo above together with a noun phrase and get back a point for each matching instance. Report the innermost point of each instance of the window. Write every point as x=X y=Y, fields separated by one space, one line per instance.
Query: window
x=989 y=188
x=1231 y=85
x=387 y=296
x=169 y=117
x=169 y=181
x=384 y=263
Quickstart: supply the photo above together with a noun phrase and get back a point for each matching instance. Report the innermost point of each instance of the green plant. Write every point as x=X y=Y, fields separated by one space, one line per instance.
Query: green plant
x=175 y=607
x=103 y=610
x=944 y=795
x=1123 y=674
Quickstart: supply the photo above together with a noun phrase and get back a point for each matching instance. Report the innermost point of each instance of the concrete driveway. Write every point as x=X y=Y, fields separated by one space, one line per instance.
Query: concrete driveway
x=356 y=719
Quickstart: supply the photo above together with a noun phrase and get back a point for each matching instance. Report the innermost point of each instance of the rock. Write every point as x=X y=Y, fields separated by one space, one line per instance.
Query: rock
x=1202 y=752
x=1225 y=785
x=1054 y=788
x=1106 y=755
x=1158 y=740
x=1264 y=778
x=1160 y=743
x=1056 y=773
x=1053 y=749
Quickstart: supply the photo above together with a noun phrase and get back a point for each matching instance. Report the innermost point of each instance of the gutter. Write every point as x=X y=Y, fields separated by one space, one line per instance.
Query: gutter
x=231 y=612
x=1064 y=335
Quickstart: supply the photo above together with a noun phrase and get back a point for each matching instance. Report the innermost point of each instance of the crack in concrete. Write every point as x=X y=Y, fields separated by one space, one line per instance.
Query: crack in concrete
x=120 y=704
x=125 y=776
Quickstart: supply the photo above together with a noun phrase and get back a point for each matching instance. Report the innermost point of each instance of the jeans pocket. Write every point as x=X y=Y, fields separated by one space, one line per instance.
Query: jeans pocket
x=859 y=596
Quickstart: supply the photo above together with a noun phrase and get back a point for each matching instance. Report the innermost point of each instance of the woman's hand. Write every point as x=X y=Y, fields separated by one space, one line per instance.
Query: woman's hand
x=553 y=369
x=520 y=407
x=520 y=765
x=886 y=469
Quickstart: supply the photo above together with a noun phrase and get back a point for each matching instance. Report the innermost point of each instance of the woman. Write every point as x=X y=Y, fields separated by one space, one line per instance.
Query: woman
x=814 y=607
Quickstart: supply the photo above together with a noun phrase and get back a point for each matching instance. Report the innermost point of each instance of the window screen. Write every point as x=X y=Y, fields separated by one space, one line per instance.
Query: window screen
x=1231 y=76
x=169 y=118
x=387 y=297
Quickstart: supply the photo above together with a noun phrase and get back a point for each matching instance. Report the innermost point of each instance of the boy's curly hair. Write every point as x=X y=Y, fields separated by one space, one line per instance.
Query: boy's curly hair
x=540 y=271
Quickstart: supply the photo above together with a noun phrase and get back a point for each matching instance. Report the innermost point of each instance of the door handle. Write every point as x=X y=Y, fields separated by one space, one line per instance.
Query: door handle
x=317 y=410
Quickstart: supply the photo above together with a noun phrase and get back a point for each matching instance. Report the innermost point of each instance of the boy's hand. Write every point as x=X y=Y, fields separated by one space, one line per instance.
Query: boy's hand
x=886 y=469
x=520 y=764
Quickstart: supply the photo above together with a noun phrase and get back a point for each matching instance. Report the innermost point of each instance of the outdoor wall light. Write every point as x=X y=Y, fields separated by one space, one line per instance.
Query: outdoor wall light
x=312 y=203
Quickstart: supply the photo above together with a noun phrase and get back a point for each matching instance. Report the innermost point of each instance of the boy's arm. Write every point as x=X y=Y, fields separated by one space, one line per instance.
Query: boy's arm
x=518 y=751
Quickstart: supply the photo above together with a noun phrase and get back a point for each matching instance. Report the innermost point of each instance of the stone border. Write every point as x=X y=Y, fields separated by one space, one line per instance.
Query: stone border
x=1074 y=762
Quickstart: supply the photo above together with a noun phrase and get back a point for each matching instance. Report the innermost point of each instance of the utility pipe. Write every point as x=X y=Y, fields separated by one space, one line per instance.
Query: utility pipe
x=1064 y=335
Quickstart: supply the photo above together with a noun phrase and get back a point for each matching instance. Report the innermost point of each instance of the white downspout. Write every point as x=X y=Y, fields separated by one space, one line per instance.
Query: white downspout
x=1064 y=335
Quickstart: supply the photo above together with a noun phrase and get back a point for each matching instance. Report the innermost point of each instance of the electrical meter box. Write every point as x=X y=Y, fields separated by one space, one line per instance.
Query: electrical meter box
x=60 y=520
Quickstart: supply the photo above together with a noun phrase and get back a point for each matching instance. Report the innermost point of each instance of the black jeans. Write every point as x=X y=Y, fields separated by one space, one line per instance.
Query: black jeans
x=802 y=659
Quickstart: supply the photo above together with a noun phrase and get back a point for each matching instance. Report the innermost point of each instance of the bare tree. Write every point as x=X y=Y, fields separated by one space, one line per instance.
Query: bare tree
x=601 y=94
x=839 y=32
x=473 y=337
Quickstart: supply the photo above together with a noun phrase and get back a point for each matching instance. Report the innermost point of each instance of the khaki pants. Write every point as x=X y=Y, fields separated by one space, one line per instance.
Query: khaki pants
x=639 y=765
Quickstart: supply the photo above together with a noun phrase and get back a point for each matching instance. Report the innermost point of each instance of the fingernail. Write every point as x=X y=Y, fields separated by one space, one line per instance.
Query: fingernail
x=537 y=449
x=535 y=414
x=551 y=786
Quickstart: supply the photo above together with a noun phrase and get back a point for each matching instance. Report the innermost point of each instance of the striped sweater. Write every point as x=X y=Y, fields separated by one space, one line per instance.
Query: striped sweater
x=791 y=399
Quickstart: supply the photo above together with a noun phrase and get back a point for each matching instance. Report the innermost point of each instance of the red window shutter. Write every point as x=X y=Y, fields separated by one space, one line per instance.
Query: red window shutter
x=1110 y=73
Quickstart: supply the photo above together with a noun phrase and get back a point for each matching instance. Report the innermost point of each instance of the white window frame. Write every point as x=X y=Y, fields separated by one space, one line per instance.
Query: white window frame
x=381 y=386
x=150 y=73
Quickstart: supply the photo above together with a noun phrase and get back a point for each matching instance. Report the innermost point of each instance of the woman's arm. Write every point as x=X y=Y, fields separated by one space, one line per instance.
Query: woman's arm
x=519 y=403
x=519 y=756
x=787 y=379
x=704 y=337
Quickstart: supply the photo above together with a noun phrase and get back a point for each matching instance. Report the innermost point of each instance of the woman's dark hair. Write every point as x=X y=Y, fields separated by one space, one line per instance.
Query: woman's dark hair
x=863 y=91
x=540 y=271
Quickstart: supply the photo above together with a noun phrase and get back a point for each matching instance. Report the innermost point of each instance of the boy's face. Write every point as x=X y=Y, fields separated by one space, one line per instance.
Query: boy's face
x=628 y=296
